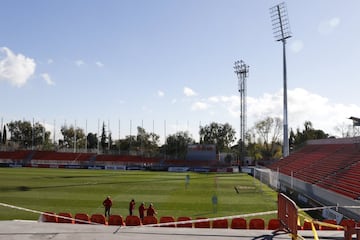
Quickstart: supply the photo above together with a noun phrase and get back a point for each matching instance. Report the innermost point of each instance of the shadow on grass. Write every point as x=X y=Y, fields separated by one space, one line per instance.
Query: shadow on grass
x=27 y=188
x=158 y=180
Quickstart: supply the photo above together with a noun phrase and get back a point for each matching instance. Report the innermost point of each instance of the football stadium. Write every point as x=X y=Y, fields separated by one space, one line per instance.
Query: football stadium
x=87 y=185
x=317 y=195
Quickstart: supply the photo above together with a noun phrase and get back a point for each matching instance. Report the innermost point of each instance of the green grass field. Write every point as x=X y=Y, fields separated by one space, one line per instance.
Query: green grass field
x=82 y=191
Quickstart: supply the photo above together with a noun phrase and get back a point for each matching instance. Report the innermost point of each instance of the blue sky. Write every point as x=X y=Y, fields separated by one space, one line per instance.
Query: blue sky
x=167 y=65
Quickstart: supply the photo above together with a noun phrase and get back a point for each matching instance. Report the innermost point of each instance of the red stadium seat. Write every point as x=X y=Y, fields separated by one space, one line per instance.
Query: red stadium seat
x=49 y=217
x=257 y=223
x=187 y=225
x=132 y=221
x=274 y=224
x=149 y=220
x=98 y=218
x=167 y=219
x=349 y=223
x=65 y=218
x=238 y=223
x=116 y=220
x=220 y=223
x=203 y=224
x=83 y=217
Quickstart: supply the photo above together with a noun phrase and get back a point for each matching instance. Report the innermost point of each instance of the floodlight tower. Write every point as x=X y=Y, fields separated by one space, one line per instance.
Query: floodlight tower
x=281 y=29
x=242 y=72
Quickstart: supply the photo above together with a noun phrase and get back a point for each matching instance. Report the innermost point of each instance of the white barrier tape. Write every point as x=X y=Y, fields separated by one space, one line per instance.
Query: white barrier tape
x=149 y=225
x=211 y=219
x=181 y=222
x=326 y=207
x=45 y=213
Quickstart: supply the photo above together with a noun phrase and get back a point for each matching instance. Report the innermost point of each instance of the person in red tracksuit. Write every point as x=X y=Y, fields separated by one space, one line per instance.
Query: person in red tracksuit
x=151 y=211
x=107 y=203
x=131 y=207
x=142 y=210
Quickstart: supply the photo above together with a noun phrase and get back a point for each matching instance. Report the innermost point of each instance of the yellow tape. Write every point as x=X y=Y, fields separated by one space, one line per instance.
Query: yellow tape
x=316 y=237
x=328 y=225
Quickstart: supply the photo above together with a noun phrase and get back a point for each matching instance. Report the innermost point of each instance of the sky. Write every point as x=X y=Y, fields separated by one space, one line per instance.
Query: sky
x=167 y=65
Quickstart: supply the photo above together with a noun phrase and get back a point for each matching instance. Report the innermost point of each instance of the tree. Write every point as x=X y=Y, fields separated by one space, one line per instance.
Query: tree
x=148 y=142
x=266 y=135
x=110 y=142
x=70 y=135
x=92 y=141
x=25 y=134
x=21 y=133
x=346 y=130
x=144 y=142
x=103 y=138
x=177 y=144
x=4 y=136
x=127 y=143
x=222 y=135
x=299 y=138
x=41 y=137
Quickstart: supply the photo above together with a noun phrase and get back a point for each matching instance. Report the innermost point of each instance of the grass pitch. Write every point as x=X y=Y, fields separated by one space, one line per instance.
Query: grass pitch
x=82 y=191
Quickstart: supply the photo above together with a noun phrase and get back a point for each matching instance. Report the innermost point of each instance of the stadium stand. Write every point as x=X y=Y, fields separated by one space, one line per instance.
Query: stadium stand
x=47 y=159
x=332 y=166
x=18 y=157
x=124 y=159
x=59 y=158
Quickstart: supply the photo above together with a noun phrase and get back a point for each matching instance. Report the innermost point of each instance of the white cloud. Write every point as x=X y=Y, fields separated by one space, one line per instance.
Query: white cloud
x=328 y=26
x=199 y=106
x=79 y=63
x=189 y=92
x=47 y=79
x=160 y=93
x=50 y=61
x=296 y=46
x=302 y=106
x=99 y=64
x=214 y=99
x=17 y=69
x=334 y=22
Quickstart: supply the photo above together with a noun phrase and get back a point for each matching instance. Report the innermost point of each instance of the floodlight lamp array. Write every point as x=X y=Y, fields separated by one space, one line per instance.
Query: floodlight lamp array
x=280 y=22
x=242 y=72
x=241 y=69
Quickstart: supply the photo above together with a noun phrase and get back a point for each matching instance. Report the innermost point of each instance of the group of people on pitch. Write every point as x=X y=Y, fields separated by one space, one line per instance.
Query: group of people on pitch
x=150 y=211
